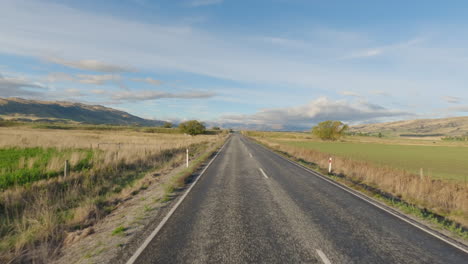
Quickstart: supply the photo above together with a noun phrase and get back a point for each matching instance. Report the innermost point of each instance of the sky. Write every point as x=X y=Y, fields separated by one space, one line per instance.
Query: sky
x=277 y=64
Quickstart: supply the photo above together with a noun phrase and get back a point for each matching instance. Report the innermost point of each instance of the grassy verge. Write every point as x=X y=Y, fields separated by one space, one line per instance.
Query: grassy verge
x=440 y=209
x=185 y=176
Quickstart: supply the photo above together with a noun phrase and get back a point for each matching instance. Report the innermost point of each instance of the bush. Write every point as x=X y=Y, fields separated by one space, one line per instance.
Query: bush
x=167 y=125
x=192 y=127
x=330 y=130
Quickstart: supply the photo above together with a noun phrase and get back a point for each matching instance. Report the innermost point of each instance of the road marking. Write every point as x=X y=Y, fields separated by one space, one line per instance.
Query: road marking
x=166 y=218
x=250 y=154
x=264 y=174
x=322 y=255
x=375 y=203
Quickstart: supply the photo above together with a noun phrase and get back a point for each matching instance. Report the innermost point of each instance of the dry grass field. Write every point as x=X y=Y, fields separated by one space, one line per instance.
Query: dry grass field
x=39 y=205
x=357 y=161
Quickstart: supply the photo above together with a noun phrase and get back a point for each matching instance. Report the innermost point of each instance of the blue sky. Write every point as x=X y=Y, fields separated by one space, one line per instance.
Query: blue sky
x=261 y=64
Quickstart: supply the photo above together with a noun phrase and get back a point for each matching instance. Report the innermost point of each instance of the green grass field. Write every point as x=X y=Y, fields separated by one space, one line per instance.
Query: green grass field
x=20 y=166
x=440 y=162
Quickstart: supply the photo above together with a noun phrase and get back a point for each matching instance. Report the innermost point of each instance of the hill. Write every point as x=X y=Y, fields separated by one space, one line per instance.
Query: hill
x=48 y=111
x=453 y=126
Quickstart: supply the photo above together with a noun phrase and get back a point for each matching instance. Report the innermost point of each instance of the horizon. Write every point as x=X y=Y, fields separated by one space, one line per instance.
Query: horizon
x=302 y=62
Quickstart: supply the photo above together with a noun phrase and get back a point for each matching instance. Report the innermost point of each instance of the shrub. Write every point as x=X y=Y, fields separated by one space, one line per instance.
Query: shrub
x=192 y=127
x=167 y=125
x=330 y=130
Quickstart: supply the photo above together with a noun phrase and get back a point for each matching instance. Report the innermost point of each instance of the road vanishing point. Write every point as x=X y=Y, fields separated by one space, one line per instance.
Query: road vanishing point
x=251 y=205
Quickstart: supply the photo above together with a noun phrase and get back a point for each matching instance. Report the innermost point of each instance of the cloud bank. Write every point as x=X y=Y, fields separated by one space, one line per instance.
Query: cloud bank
x=91 y=65
x=305 y=116
x=148 y=80
x=14 y=86
x=153 y=95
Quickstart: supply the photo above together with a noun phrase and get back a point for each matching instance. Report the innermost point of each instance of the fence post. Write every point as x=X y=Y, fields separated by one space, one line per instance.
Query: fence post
x=329 y=165
x=421 y=173
x=65 y=170
x=187 y=159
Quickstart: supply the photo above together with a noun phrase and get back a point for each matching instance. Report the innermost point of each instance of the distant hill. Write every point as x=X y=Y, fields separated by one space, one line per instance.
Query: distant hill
x=453 y=126
x=46 y=111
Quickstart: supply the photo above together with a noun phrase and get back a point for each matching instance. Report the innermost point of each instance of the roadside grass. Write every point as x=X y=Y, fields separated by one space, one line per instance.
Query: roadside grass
x=119 y=231
x=36 y=217
x=447 y=201
x=183 y=177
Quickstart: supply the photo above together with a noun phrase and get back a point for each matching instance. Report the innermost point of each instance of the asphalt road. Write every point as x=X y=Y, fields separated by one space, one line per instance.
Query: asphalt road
x=252 y=206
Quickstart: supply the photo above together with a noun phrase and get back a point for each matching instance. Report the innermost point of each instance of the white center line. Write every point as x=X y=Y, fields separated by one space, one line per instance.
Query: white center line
x=264 y=174
x=322 y=255
x=250 y=154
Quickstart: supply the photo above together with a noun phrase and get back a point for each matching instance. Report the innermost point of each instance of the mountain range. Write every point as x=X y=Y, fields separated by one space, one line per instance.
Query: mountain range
x=50 y=111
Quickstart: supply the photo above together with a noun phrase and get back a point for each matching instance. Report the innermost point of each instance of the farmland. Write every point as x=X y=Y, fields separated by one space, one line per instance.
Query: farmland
x=38 y=205
x=439 y=162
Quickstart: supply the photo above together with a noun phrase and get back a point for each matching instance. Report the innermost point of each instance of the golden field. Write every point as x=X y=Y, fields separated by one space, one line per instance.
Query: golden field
x=36 y=214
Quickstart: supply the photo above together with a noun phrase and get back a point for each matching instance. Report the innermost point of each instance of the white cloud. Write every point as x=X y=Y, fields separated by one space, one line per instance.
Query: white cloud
x=307 y=115
x=451 y=99
x=74 y=92
x=153 y=95
x=196 y=3
x=59 y=77
x=94 y=79
x=148 y=80
x=98 y=79
x=91 y=65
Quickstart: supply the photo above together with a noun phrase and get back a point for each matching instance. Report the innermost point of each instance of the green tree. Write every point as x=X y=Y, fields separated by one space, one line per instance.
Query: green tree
x=216 y=128
x=167 y=125
x=192 y=127
x=330 y=130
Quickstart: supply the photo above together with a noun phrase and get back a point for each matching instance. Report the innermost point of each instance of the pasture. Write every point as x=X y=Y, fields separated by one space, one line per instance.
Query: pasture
x=438 y=162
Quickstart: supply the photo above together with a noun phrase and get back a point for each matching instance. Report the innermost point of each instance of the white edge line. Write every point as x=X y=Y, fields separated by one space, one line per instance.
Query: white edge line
x=322 y=255
x=250 y=154
x=264 y=174
x=166 y=218
x=373 y=202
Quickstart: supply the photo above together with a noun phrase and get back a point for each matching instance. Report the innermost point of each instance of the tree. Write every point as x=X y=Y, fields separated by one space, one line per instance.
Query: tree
x=216 y=128
x=192 y=127
x=330 y=130
x=167 y=125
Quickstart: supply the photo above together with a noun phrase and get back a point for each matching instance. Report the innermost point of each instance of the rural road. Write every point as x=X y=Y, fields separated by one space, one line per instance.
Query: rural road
x=252 y=206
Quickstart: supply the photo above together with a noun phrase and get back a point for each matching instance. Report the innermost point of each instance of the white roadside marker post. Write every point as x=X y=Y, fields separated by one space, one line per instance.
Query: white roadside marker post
x=66 y=169
x=329 y=165
x=187 y=157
